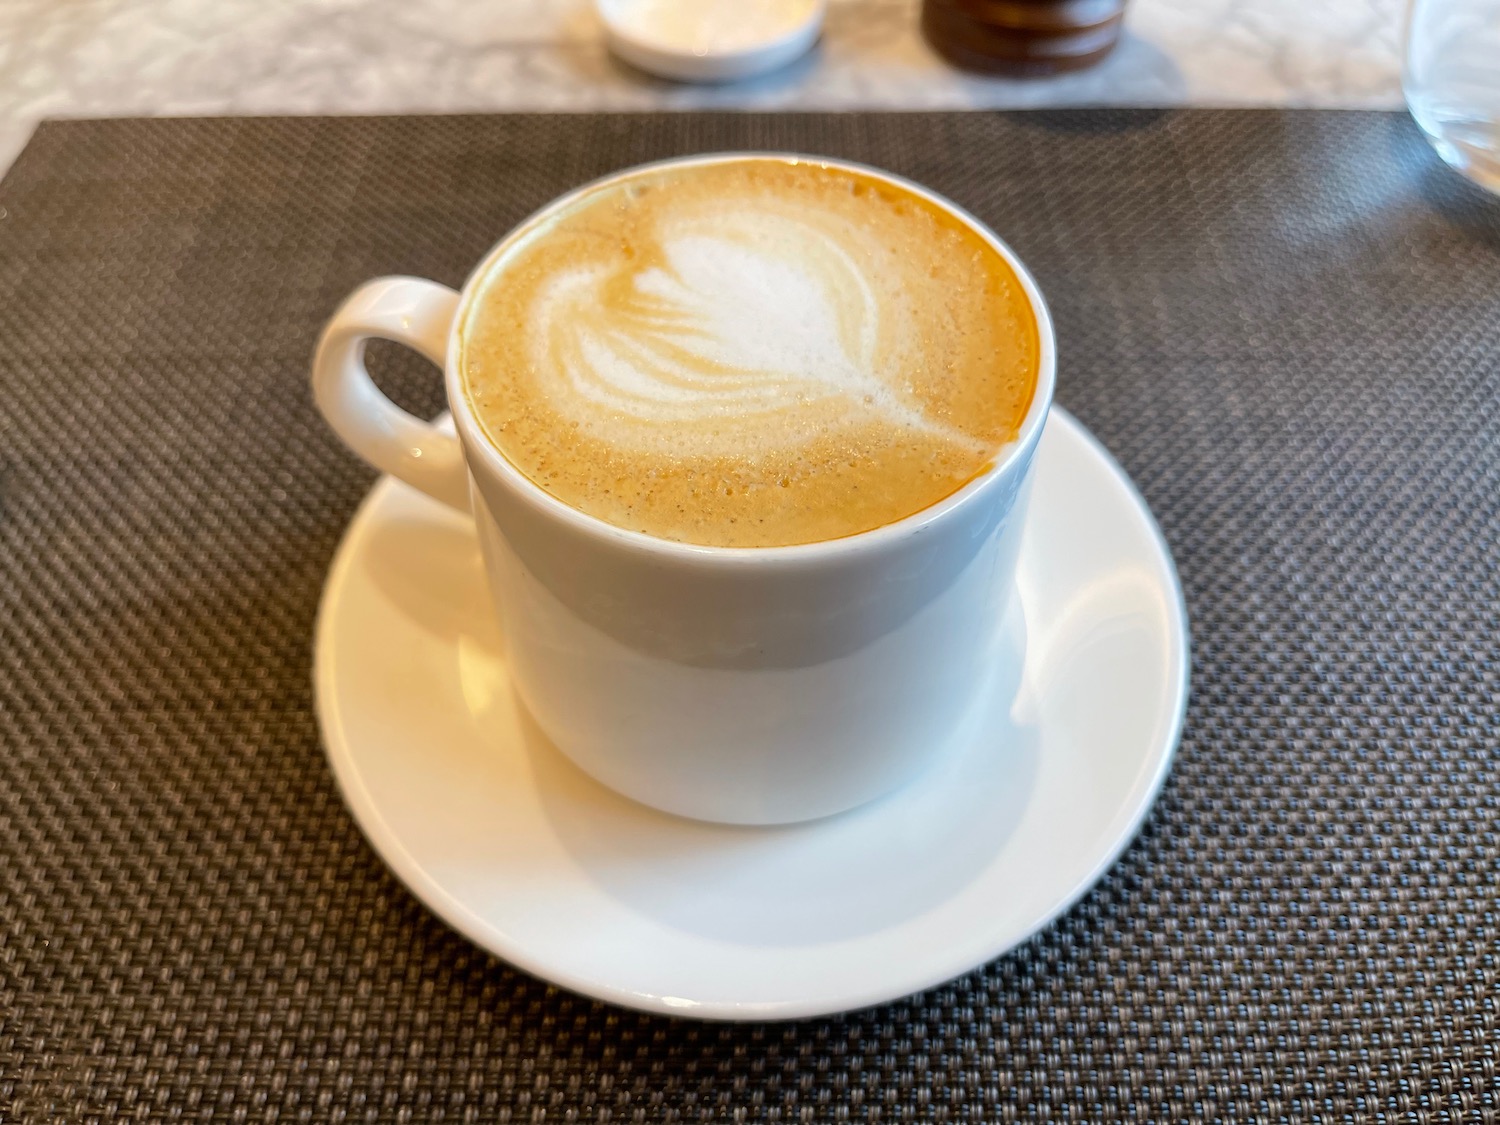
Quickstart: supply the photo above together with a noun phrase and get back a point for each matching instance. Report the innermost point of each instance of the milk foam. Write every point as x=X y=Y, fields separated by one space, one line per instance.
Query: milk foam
x=749 y=331
x=754 y=352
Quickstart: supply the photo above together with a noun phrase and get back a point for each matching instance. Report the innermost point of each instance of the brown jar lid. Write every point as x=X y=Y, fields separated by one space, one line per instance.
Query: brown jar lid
x=1023 y=37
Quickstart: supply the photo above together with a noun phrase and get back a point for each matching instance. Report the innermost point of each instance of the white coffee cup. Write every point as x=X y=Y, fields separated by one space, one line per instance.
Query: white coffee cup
x=752 y=685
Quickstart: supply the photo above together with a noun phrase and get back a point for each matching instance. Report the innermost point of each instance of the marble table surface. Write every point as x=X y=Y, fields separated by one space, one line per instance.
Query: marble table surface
x=92 y=58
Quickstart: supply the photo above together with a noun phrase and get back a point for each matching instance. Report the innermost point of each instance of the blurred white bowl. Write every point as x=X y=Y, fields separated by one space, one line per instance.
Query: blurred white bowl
x=710 y=40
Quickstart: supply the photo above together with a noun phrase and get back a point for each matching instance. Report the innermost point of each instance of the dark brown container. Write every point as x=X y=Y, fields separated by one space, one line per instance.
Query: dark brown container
x=1030 y=38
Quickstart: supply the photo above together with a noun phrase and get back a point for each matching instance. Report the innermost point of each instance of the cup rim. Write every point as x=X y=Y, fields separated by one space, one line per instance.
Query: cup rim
x=478 y=445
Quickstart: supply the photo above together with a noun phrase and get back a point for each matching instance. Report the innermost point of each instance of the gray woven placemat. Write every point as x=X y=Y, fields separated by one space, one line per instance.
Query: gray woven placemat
x=1287 y=327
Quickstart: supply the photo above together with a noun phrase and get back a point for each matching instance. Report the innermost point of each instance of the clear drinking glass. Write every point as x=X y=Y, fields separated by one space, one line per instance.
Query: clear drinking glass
x=1452 y=82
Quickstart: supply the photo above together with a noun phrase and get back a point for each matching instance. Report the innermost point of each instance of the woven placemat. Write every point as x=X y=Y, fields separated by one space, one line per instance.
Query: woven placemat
x=1285 y=325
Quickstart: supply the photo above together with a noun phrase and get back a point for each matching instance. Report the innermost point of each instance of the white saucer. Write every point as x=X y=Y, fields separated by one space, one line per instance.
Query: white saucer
x=512 y=845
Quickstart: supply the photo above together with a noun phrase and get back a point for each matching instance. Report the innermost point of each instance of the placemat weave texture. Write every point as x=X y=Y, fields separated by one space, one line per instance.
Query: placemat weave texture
x=1286 y=325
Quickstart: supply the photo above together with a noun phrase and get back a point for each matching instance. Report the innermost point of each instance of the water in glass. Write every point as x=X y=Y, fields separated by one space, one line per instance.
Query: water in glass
x=1452 y=82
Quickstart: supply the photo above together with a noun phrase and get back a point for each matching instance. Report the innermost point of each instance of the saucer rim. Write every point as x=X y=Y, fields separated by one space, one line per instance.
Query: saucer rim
x=493 y=939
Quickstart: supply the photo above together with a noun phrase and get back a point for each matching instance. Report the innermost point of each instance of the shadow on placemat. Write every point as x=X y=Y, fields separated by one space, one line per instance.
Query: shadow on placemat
x=1285 y=325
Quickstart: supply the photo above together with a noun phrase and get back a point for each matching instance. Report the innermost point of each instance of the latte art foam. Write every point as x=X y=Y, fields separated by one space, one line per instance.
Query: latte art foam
x=751 y=353
x=755 y=329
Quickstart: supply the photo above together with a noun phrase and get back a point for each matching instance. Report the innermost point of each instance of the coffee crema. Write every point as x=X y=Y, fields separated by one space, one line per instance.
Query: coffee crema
x=751 y=353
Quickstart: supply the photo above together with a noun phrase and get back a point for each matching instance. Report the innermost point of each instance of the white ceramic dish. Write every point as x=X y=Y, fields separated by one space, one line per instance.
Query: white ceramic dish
x=710 y=40
x=515 y=847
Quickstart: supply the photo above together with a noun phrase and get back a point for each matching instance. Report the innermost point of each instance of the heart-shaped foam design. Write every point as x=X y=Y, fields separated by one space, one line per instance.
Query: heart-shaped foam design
x=737 y=332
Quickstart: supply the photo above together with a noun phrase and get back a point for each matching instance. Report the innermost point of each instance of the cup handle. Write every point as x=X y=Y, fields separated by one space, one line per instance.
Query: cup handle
x=410 y=311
